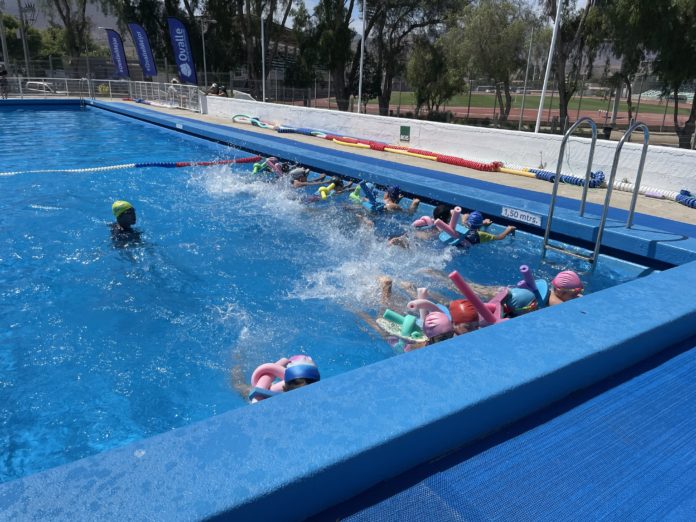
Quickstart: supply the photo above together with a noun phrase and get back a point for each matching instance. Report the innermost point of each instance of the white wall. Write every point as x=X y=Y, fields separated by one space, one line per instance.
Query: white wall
x=665 y=167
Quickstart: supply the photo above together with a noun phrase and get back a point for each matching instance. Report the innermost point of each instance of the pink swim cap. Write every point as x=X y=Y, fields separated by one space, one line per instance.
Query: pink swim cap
x=436 y=323
x=567 y=280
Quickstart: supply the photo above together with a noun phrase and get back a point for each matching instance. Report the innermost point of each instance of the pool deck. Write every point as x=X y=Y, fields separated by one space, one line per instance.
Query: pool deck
x=623 y=449
x=669 y=210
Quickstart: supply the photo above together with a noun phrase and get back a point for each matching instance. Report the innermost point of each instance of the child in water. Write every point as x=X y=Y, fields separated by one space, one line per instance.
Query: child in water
x=122 y=232
x=465 y=318
x=392 y=197
x=295 y=372
x=519 y=301
x=299 y=176
x=475 y=236
x=564 y=287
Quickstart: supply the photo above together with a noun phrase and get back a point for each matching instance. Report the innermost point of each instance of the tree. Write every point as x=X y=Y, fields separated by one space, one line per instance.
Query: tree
x=433 y=80
x=395 y=22
x=372 y=79
x=489 y=38
x=14 y=42
x=302 y=72
x=673 y=38
x=665 y=30
x=613 y=28
x=234 y=38
x=150 y=14
x=74 y=22
x=334 y=39
x=570 y=48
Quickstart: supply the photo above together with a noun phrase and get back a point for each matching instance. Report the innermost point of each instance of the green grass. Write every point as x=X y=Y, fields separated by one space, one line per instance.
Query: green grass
x=482 y=100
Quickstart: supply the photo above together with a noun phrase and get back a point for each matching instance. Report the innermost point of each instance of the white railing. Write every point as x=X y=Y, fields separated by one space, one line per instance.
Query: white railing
x=175 y=95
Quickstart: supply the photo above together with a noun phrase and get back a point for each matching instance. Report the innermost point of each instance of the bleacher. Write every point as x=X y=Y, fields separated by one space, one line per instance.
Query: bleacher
x=656 y=94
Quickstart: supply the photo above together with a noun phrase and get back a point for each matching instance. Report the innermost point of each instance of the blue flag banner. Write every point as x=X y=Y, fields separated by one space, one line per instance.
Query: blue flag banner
x=142 y=45
x=118 y=56
x=182 y=51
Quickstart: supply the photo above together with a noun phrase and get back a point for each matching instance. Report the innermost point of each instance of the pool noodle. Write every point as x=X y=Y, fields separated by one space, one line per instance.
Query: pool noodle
x=530 y=282
x=441 y=225
x=528 y=278
x=407 y=322
x=422 y=293
x=454 y=217
x=465 y=289
x=450 y=228
x=423 y=305
x=370 y=195
x=324 y=191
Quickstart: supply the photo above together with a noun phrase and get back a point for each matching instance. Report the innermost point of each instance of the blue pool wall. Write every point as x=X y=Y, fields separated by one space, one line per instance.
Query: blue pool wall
x=301 y=452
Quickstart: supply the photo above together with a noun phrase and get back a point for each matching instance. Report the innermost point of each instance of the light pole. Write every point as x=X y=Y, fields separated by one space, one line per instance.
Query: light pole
x=28 y=8
x=557 y=23
x=205 y=23
x=362 y=58
x=3 y=41
x=526 y=75
x=263 y=57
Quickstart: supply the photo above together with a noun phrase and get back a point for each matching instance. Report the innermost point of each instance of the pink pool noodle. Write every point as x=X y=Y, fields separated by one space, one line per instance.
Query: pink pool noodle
x=265 y=374
x=423 y=306
x=275 y=167
x=423 y=221
x=454 y=217
x=451 y=228
x=464 y=288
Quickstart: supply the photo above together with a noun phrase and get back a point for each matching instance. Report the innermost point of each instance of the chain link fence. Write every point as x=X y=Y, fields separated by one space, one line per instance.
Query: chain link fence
x=476 y=105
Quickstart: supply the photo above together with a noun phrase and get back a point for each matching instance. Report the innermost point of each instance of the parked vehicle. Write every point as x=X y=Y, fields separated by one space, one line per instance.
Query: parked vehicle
x=41 y=88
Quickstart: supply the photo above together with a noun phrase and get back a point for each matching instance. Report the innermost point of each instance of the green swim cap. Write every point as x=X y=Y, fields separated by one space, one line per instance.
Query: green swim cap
x=119 y=207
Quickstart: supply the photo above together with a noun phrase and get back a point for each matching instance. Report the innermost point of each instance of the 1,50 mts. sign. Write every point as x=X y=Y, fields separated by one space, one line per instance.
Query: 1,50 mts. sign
x=521 y=215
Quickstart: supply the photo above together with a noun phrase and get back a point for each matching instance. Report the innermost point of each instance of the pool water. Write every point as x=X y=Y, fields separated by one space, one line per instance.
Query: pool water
x=103 y=345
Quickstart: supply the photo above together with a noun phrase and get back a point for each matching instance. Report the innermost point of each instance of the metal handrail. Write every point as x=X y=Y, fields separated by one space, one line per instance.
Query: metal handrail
x=612 y=176
x=588 y=173
x=644 y=152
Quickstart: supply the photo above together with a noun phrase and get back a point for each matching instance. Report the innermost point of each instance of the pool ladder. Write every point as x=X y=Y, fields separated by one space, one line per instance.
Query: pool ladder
x=592 y=258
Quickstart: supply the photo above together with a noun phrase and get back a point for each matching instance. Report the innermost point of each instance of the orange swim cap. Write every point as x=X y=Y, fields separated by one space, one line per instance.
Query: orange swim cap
x=462 y=311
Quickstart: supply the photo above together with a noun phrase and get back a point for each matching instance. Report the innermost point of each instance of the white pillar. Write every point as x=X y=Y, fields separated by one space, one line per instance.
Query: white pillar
x=362 y=57
x=549 y=62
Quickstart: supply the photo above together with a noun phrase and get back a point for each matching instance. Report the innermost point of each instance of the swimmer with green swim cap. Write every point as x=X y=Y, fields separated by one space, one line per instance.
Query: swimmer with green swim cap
x=125 y=215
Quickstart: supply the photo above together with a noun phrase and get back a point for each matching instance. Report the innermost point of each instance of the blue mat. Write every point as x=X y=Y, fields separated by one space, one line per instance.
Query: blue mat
x=624 y=449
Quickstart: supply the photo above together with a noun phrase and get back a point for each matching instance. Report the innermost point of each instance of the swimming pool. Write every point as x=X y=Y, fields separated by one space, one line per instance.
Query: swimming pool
x=326 y=442
x=104 y=346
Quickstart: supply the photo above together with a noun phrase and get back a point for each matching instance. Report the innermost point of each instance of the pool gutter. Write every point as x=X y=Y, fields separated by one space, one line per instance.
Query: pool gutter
x=644 y=243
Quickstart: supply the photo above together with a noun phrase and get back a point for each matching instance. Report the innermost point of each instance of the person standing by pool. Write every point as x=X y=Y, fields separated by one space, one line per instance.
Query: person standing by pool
x=122 y=232
x=3 y=81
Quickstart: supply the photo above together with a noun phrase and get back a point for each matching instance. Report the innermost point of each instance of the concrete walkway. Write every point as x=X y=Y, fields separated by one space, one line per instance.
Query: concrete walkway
x=656 y=207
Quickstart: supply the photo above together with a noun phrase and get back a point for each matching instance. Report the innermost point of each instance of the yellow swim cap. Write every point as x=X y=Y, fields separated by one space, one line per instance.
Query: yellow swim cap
x=119 y=207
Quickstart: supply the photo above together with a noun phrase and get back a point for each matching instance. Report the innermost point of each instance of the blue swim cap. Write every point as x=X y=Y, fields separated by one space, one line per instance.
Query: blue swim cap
x=520 y=301
x=302 y=371
x=394 y=193
x=475 y=219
